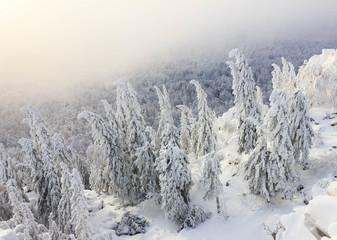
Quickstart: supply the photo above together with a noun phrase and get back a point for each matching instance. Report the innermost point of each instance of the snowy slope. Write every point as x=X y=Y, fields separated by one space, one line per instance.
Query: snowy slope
x=245 y=216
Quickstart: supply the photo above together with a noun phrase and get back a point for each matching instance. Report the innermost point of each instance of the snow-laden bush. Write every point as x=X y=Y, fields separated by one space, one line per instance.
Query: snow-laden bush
x=195 y=216
x=317 y=78
x=131 y=225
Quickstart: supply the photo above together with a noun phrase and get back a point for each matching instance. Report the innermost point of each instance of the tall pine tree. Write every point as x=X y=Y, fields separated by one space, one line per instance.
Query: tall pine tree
x=247 y=107
x=301 y=132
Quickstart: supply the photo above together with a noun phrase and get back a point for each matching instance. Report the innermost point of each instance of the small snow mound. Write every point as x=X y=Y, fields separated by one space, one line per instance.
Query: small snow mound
x=333 y=230
x=8 y=234
x=332 y=189
x=321 y=213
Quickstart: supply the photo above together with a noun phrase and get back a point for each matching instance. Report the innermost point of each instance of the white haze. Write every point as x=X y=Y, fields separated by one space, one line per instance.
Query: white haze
x=49 y=45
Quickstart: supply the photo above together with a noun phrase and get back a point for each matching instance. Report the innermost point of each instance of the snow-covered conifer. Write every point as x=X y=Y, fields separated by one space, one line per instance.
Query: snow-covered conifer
x=193 y=127
x=165 y=116
x=285 y=78
x=184 y=130
x=107 y=171
x=131 y=120
x=60 y=152
x=206 y=133
x=81 y=226
x=301 y=132
x=5 y=166
x=248 y=109
x=81 y=163
x=54 y=231
x=64 y=206
x=174 y=174
x=270 y=167
x=259 y=169
x=211 y=180
x=21 y=212
x=264 y=107
x=148 y=175
x=40 y=135
x=281 y=157
x=175 y=182
x=50 y=193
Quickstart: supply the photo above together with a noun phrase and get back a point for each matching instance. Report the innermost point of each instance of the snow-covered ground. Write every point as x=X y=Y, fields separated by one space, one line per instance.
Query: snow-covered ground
x=245 y=216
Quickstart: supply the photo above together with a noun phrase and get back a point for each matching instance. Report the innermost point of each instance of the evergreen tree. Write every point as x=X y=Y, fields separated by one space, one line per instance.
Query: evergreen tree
x=285 y=78
x=149 y=178
x=21 y=212
x=38 y=151
x=175 y=182
x=60 y=152
x=259 y=170
x=193 y=127
x=64 y=206
x=281 y=157
x=54 y=231
x=50 y=193
x=245 y=99
x=264 y=108
x=174 y=175
x=206 y=133
x=211 y=180
x=270 y=167
x=107 y=170
x=165 y=116
x=133 y=126
x=184 y=130
x=81 y=226
x=301 y=132
x=6 y=171
x=40 y=135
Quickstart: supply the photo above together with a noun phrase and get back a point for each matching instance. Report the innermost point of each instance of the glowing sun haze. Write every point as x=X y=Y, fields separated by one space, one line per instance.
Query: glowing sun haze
x=45 y=43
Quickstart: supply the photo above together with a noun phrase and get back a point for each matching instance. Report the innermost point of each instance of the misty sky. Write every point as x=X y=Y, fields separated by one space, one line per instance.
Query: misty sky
x=52 y=43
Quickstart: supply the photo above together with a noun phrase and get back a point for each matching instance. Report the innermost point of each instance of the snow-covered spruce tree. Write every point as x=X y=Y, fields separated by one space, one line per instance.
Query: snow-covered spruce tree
x=64 y=206
x=6 y=171
x=301 y=132
x=211 y=180
x=248 y=109
x=193 y=127
x=174 y=175
x=40 y=135
x=50 y=193
x=184 y=130
x=133 y=125
x=165 y=116
x=80 y=224
x=175 y=180
x=148 y=175
x=281 y=157
x=60 y=152
x=107 y=171
x=206 y=142
x=54 y=231
x=21 y=212
x=81 y=163
x=264 y=107
x=119 y=168
x=259 y=169
x=285 y=78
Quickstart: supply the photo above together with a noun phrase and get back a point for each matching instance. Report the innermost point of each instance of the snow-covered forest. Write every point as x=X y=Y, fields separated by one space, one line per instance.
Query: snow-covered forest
x=190 y=170
x=111 y=128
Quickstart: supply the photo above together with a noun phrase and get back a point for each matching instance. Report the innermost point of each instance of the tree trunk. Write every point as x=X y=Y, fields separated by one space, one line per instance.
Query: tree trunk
x=218 y=205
